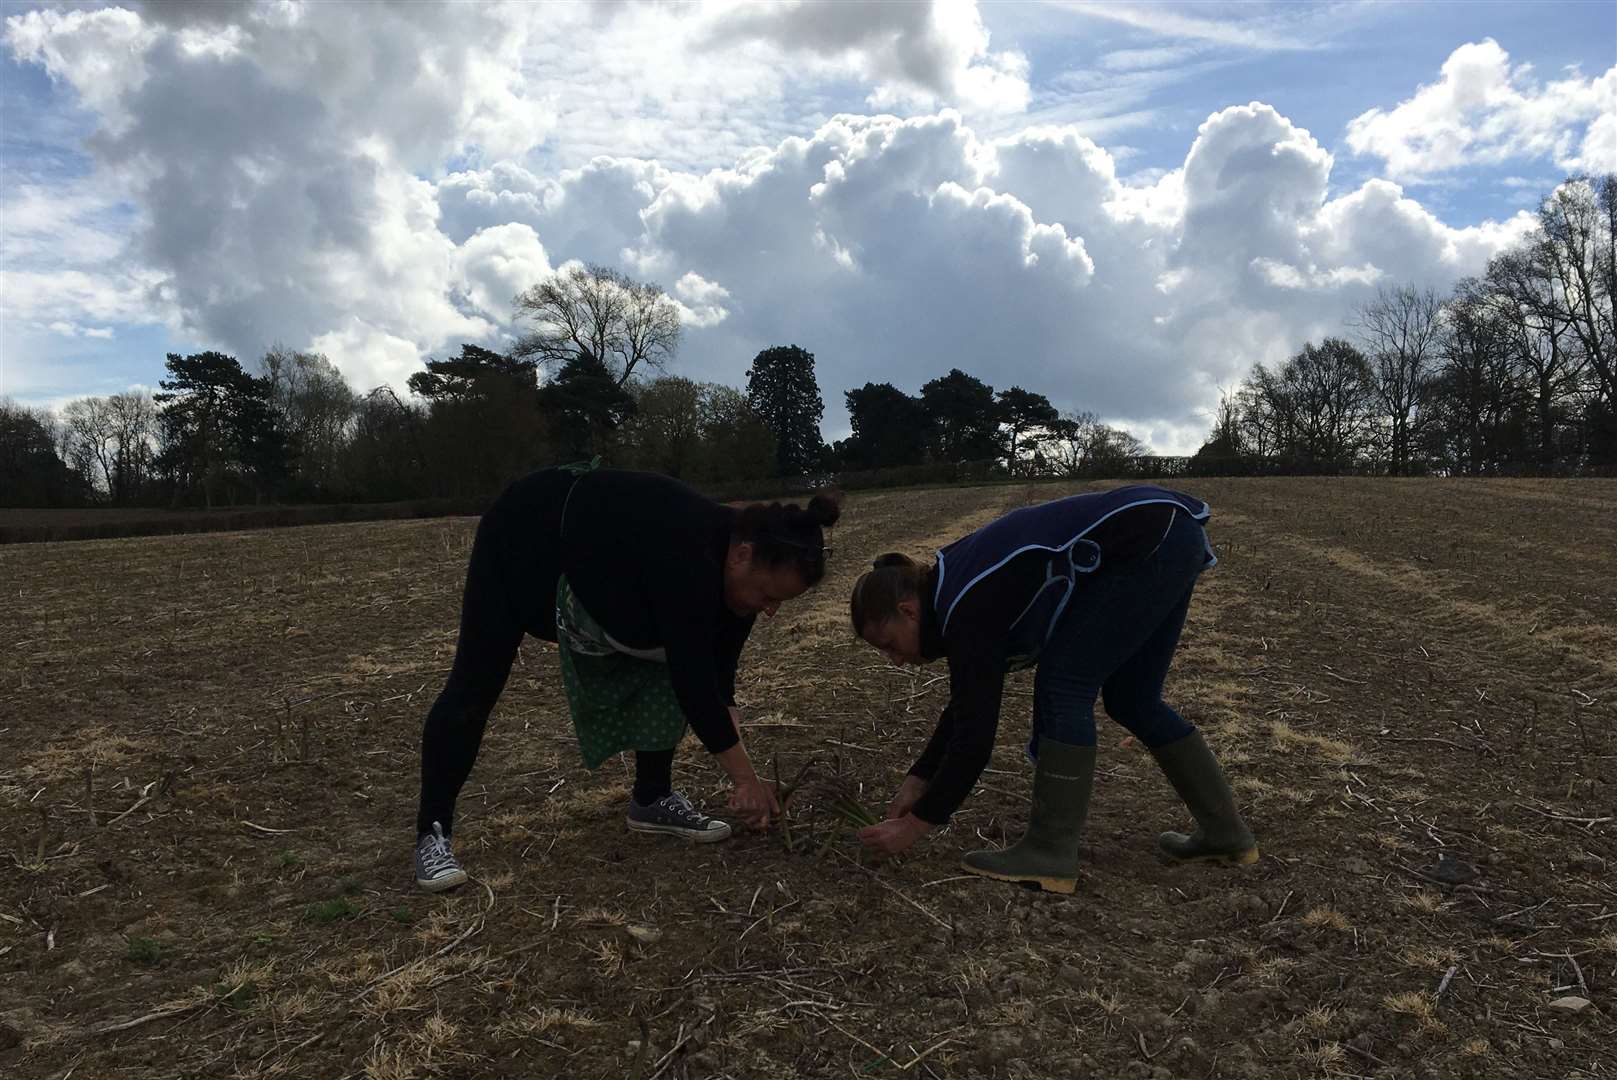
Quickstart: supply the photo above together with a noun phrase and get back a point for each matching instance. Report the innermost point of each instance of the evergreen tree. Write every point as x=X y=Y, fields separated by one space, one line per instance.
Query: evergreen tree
x=1026 y=417
x=32 y=473
x=962 y=418
x=781 y=389
x=475 y=373
x=889 y=428
x=484 y=423
x=217 y=424
x=586 y=405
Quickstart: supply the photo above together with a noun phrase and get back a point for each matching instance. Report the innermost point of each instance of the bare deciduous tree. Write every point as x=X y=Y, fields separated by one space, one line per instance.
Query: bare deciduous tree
x=90 y=447
x=1401 y=330
x=1546 y=353
x=315 y=405
x=1577 y=255
x=133 y=415
x=111 y=441
x=1080 y=445
x=1476 y=393
x=1315 y=410
x=600 y=312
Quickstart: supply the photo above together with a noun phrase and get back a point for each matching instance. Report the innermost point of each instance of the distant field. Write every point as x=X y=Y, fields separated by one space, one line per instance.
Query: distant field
x=82 y=515
x=29 y=526
x=211 y=764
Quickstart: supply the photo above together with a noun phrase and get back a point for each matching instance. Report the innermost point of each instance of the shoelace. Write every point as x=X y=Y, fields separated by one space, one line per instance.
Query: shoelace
x=680 y=806
x=435 y=853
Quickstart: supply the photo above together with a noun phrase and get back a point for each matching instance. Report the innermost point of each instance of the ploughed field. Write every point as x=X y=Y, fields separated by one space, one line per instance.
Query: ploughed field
x=210 y=767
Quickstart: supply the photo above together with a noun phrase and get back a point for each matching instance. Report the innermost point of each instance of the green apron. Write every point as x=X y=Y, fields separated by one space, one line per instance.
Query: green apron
x=621 y=698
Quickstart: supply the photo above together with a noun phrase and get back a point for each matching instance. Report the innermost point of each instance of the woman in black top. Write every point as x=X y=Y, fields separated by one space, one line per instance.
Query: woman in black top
x=1093 y=589
x=657 y=588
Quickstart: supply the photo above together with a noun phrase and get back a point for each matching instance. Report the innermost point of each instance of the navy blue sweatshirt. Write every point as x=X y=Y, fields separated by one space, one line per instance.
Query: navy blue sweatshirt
x=982 y=648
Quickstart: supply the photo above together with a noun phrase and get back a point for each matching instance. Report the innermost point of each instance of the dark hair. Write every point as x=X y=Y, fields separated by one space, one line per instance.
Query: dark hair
x=789 y=535
x=892 y=579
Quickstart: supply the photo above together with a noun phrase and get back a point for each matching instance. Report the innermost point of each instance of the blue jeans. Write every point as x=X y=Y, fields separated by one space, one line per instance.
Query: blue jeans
x=1117 y=638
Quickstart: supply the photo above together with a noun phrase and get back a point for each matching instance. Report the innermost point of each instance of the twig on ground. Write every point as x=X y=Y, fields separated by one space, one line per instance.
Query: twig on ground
x=946 y=880
x=1586 y=822
x=1365 y=1054
x=1426 y=739
x=262 y=829
x=124 y=1025
x=895 y=891
x=1573 y=960
x=881 y=1055
x=1447 y=975
x=142 y=801
x=924 y=1054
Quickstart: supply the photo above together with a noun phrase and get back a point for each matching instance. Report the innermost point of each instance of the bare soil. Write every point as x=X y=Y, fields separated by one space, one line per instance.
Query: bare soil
x=210 y=768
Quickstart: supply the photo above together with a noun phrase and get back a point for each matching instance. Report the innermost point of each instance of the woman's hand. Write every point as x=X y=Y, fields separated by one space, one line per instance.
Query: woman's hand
x=895 y=835
x=909 y=793
x=755 y=801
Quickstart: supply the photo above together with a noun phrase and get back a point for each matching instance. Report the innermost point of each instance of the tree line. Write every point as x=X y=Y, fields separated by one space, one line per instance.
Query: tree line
x=589 y=376
x=1513 y=371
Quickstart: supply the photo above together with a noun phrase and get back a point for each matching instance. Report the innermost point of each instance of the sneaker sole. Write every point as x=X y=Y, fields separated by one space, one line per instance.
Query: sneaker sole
x=442 y=884
x=707 y=836
x=1064 y=886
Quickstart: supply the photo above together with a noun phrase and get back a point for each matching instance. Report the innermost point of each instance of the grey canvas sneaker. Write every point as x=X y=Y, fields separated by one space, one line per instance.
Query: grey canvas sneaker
x=673 y=814
x=435 y=866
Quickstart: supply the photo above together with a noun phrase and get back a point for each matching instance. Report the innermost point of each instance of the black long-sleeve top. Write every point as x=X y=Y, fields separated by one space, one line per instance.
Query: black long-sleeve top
x=976 y=648
x=645 y=555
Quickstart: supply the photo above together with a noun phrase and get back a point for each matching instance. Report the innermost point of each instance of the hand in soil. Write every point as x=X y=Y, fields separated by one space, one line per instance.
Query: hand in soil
x=909 y=793
x=896 y=835
x=755 y=803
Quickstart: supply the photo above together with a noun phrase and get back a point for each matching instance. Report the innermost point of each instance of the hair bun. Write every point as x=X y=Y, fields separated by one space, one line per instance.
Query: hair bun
x=825 y=508
x=892 y=558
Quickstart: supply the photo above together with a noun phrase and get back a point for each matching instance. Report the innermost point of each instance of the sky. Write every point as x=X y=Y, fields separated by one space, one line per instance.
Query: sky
x=1122 y=206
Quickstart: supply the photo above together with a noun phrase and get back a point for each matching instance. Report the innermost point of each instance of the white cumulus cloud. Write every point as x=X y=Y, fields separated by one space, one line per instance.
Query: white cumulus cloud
x=701 y=302
x=1483 y=110
x=377 y=183
x=928 y=52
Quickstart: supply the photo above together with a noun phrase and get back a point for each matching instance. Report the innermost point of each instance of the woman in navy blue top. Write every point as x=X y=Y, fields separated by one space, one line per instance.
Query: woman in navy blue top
x=1093 y=589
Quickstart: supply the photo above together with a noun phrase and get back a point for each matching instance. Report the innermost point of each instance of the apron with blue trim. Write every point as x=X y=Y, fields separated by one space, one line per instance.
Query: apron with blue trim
x=1057 y=529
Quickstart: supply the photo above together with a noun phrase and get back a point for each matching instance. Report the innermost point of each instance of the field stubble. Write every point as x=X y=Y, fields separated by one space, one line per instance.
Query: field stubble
x=211 y=759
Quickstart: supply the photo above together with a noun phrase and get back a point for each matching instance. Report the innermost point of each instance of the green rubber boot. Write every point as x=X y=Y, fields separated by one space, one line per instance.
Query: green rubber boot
x=1047 y=855
x=1221 y=835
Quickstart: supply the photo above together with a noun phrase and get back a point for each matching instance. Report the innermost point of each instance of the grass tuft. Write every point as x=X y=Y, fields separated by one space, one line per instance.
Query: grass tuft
x=329 y=911
x=144 y=951
x=1321 y=917
x=1417 y=1006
